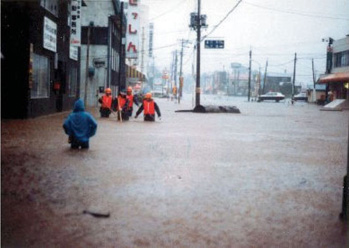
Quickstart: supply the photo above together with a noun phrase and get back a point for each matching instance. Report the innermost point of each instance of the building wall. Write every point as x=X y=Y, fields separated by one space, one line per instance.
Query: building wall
x=98 y=12
x=104 y=47
x=341 y=45
x=99 y=79
x=22 y=39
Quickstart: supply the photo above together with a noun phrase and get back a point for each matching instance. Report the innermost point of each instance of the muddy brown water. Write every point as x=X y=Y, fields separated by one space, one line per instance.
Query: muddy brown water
x=268 y=177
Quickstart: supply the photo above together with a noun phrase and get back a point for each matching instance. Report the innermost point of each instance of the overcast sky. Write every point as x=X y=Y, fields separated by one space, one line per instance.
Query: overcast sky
x=273 y=29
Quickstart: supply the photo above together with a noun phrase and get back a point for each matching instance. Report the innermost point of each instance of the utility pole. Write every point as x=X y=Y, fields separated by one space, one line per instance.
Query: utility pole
x=173 y=69
x=314 y=81
x=258 y=92
x=249 y=78
x=87 y=61
x=294 y=75
x=175 y=73
x=198 y=40
x=265 y=77
x=121 y=50
x=181 y=74
x=142 y=58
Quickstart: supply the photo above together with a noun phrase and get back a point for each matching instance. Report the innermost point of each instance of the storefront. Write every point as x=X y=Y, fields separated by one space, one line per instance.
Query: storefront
x=337 y=84
x=40 y=69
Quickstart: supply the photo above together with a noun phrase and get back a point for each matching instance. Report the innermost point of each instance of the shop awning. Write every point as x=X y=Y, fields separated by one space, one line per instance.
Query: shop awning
x=339 y=77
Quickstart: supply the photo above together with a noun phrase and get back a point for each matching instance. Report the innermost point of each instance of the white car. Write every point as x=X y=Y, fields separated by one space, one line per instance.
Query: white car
x=275 y=96
x=301 y=97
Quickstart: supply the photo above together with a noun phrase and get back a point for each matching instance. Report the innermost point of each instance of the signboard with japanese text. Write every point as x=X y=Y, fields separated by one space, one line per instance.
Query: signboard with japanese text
x=73 y=52
x=75 y=23
x=151 y=34
x=133 y=29
x=214 y=44
x=50 y=35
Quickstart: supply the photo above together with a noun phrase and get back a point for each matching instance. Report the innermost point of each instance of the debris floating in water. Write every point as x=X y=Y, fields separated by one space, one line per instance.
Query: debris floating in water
x=97 y=215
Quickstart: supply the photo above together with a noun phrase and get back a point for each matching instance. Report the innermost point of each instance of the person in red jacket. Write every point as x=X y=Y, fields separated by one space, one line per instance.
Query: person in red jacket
x=149 y=107
x=106 y=103
x=131 y=100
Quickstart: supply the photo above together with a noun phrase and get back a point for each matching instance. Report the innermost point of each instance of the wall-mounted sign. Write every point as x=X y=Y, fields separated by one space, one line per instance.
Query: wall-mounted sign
x=50 y=35
x=75 y=24
x=133 y=30
x=74 y=52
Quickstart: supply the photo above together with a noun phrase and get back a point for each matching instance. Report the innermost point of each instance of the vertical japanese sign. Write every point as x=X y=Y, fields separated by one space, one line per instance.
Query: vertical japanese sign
x=50 y=35
x=75 y=25
x=133 y=30
x=31 y=59
x=151 y=32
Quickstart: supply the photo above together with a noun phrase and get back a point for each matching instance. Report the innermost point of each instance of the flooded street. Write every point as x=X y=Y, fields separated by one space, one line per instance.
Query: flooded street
x=271 y=176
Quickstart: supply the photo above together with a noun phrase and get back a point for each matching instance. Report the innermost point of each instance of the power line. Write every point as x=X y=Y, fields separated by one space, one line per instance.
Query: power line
x=168 y=11
x=225 y=17
x=295 y=13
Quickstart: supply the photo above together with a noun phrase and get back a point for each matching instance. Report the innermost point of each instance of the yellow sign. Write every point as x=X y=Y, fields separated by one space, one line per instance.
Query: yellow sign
x=346 y=85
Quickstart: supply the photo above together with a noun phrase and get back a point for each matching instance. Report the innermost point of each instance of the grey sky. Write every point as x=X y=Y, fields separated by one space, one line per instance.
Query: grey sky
x=274 y=29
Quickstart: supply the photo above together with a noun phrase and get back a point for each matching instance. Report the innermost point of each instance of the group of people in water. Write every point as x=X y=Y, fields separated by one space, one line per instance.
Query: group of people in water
x=81 y=125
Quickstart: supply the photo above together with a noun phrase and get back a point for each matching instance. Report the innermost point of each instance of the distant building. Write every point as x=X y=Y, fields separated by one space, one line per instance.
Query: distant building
x=40 y=68
x=278 y=82
x=337 y=80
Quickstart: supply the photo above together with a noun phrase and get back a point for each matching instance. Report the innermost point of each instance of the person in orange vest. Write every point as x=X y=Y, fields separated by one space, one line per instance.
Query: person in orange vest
x=106 y=103
x=121 y=104
x=174 y=92
x=149 y=107
x=131 y=100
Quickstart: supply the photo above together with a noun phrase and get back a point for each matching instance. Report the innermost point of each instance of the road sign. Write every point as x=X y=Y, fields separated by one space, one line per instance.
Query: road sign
x=214 y=44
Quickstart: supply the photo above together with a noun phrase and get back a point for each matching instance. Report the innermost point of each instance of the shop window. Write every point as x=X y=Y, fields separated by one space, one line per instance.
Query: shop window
x=345 y=58
x=341 y=59
x=337 y=59
x=73 y=82
x=41 y=77
x=50 y=5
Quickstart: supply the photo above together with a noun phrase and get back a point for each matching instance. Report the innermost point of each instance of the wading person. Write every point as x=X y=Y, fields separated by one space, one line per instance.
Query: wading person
x=80 y=126
x=121 y=105
x=149 y=107
x=131 y=99
x=106 y=103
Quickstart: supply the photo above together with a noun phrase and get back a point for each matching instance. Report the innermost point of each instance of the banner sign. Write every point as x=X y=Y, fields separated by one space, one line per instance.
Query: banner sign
x=133 y=29
x=50 y=35
x=75 y=25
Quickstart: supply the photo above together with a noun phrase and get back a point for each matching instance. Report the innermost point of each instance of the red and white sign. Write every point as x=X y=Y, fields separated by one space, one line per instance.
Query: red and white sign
x=133 y=29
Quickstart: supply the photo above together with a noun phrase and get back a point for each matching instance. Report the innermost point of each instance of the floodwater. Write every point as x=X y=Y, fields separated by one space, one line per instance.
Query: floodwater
x=271 y=176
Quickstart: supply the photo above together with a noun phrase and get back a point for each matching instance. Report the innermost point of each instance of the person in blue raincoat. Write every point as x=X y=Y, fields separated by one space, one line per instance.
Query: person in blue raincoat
x=80 y=126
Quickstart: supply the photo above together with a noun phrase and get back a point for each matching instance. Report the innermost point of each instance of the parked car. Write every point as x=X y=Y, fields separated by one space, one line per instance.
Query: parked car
x=275 y=96
x=159 y=94
x=301 y=97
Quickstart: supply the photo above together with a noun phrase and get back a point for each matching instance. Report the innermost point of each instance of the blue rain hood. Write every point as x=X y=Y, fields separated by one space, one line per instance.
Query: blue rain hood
x=80 y=123
x=79 y=106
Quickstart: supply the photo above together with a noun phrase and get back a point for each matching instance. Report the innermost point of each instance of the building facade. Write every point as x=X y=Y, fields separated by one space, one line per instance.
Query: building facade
x=40 y=69
x=102 y=50
x=337 y=80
